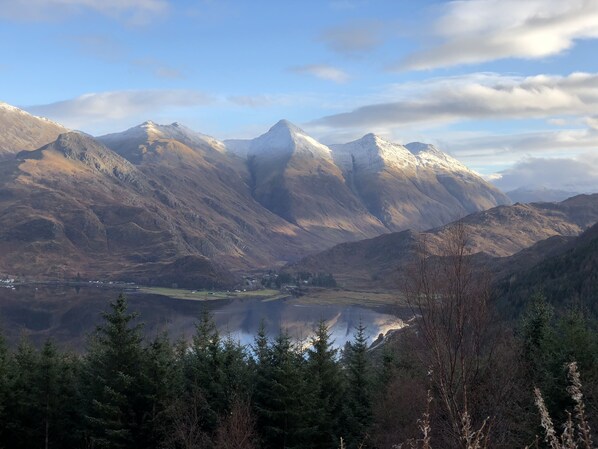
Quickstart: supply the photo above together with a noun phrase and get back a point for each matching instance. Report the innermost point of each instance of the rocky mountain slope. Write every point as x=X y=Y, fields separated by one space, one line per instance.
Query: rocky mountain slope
x=76 y=207
x=295 y=177
x=414 y=186
x=156 y=203
x=492 y=234
x=22 y=131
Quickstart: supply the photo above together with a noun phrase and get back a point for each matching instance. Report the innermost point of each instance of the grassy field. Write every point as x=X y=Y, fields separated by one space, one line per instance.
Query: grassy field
x=350 y=297
x=321 y=296
x=205 y=295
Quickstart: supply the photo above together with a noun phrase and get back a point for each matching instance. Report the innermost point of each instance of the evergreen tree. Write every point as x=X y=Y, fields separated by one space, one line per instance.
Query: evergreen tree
x=22 y=426
x=161 y=385
x=205 y=372
x=281 y=406
x=4 y=373
x=114 y=369
x=359 y=379
x=326 y=388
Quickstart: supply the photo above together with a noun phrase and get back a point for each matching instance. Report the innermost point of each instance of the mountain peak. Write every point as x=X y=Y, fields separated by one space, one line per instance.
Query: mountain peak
x=285 y=137
x=285 y=124
x=430 y=156
x=373 y=153
x=19 y=130
x=150 y=130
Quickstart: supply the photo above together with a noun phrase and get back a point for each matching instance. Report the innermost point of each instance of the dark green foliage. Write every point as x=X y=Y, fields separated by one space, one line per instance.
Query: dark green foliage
x=282 y=396
x=359 y=393
x=114 y=370
x=324 y=280
x=283 y=278
x=549 y=342
x=567 y=279
x=127 y=393
x=326 y=389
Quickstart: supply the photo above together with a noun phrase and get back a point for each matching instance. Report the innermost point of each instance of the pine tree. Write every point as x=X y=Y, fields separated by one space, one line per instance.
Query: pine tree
x=161 y=384
x=205 y=371
x=326 y=388
x=4 y=373
x=114 y=375
x=280 y=395
x=359 y=379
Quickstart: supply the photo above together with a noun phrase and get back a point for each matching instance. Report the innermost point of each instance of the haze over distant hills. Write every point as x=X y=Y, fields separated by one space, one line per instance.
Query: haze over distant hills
x=159 y=201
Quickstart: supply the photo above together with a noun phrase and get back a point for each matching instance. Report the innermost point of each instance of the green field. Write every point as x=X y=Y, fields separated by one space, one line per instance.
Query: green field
x=206 y=295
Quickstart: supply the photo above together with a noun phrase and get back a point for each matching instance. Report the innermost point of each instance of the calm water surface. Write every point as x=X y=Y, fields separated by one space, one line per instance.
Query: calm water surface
x=68 y=315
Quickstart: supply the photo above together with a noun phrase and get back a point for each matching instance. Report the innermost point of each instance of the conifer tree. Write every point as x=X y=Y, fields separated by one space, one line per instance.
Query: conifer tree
x=359 y=379
x=114 y=375
x=326 y=389
x=4 y=367
x=161 y=385
x=281 y=406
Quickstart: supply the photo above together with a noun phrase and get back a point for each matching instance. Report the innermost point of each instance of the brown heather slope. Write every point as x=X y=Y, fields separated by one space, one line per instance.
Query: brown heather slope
x=74 y=206
x=22 y=131
x=492 y=235
x=209 y=189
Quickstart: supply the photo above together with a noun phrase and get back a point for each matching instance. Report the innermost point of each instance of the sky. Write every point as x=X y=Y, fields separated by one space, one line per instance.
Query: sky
x=509 y=87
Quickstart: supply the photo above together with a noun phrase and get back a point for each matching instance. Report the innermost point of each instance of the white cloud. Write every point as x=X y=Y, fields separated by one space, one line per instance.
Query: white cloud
x=474 y=97
x=579 y=174
x=92 y=108
x=134 y=11
x=323 y=71
x=484 y=30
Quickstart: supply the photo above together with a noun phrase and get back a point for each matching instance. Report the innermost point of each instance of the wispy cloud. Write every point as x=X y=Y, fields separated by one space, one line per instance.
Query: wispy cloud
x=353 y=39
x=475 y=97
x=159 y=69
x=322 y=71
x=484 y=30
x=91 y=108
x=133 y=11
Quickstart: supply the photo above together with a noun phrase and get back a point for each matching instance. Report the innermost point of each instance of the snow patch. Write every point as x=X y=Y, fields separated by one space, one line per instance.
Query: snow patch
x=286 y=138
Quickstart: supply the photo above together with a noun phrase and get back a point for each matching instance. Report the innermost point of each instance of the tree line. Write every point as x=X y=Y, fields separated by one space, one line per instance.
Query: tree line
x=458 y=377
x=212 y=392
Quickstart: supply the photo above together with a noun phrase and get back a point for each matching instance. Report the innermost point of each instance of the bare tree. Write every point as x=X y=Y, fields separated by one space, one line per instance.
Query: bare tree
x=187 y=432
x=451 y=300
x=237 y=429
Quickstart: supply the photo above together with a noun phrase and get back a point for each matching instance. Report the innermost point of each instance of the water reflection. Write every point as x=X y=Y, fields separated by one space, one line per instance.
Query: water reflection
x=68 y=315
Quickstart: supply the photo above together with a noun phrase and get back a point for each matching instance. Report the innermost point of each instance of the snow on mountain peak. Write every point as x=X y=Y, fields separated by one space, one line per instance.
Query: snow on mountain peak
x=151 y=130
x=431 y=157
x=372 y=152
x=285 y=137
x=10 y=108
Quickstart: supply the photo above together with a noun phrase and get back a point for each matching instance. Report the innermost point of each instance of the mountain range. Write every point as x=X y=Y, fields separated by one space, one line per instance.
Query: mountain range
x=163 y=204
x=503 y=239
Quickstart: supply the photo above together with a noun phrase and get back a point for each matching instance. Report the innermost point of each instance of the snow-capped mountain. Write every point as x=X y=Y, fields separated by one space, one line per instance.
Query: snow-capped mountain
x=295 y=176
x=158 y=196
x=138 y=142
x=372 y=153
x=413 y=186
x=20 y=131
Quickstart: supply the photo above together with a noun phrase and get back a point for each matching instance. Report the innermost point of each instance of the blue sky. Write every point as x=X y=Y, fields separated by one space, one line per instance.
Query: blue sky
x=508 y=87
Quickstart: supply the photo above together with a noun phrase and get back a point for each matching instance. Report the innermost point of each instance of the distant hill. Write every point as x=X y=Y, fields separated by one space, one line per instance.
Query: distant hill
x=568 y=275
x=494 y=235
x=539 y=195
